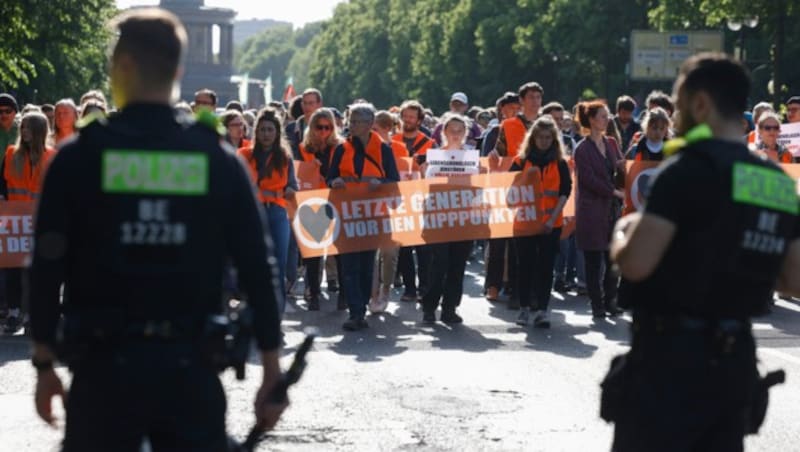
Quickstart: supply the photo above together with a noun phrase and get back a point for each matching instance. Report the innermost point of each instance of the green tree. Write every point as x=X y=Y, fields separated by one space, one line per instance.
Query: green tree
x=777 y=19
x=50 y=50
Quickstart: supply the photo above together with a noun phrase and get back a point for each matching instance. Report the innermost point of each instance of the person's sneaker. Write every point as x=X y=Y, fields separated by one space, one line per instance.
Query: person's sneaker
x=598 y=315
x=492 y=294
x=541 y=320
x=341 y=303
x=513 y=303
x=376 y=306
x=429 y=317
x=409 y=297
x=450 y=317
x=581 y=291
x=560 y=286
x=522 y=318
x=355 y=324
x=333 y=285
x=13 y=325
x=313 y=303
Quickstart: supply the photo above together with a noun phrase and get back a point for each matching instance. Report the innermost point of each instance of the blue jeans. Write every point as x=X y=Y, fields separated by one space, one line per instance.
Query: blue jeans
x=279 y=231
x=356 y=276
x=569 y=262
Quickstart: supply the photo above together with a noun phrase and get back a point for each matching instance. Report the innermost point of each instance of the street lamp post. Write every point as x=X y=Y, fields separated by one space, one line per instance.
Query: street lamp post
x=741 y=25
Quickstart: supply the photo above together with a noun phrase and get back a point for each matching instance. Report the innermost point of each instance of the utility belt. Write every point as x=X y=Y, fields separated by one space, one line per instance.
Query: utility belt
x=614 y=398
x=220 y=341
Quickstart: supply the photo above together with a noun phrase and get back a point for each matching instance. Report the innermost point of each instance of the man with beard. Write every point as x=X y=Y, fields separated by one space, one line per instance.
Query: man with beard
x=417 y=144
x=702 y=259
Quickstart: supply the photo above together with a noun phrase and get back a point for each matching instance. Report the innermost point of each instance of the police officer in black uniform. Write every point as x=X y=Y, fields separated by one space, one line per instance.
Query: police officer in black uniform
x=719 y=234
x=136 y=219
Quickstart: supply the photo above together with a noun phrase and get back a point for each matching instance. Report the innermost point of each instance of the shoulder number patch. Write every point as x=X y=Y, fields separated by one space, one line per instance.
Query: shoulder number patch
x=155 y=172
x=765 y=187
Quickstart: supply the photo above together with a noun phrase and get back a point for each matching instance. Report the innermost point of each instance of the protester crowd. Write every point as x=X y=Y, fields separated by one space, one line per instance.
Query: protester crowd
x=359 y=145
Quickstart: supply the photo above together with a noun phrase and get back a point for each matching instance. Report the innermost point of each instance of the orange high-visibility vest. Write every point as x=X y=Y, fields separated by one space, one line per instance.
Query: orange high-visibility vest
x=551 y=183
x=28 y=185
x=514 y=130
x=420 y=147
x=373 y=162
x=271 y=188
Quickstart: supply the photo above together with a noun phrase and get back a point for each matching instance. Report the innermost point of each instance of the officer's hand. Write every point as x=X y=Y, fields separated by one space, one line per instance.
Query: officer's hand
x=48 y=385
x=494 y=156
x=337 y=183
x=267 y=411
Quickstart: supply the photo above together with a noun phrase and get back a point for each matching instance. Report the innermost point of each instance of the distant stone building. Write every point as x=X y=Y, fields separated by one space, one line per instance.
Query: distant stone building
x=204 y=68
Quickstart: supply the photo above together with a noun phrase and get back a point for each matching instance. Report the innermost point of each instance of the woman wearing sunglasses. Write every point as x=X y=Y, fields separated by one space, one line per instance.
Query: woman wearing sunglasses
x=319 y=141
x=769 y=126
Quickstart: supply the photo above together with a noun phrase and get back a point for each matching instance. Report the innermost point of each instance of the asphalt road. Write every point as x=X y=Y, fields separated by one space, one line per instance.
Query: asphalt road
x=402 y=386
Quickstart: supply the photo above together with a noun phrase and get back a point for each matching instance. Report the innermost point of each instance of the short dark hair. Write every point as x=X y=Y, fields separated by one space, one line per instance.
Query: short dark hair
x=507 y=98
x=209 y=93
x=235 y=105
x=155 y=39
x=48 y=108
x=530 y=86
x=551 y=107
x=625 y=103
x=724 y=79
x=661 y=99
x=296 y=107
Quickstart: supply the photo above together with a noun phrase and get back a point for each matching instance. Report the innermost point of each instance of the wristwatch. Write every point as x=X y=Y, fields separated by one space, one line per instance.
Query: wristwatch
x=42 y=365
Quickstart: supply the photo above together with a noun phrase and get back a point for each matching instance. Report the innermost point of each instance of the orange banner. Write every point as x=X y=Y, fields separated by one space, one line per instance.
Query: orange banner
x=16 y=232
x=492 y=205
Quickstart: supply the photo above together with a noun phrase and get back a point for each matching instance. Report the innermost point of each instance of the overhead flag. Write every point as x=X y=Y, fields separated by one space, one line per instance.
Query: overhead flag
x=268 y=89
x=244 y=89
x=289 y=92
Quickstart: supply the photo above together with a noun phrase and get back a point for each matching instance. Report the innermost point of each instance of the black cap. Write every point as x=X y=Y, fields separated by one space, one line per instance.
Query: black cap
x=793 y=100
x=336 y=112
x=7 y=100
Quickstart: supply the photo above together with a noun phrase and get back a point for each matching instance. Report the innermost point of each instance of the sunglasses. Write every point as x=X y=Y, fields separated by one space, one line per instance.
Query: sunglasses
x=6 y=111
x=771 y=128
x=323 y=127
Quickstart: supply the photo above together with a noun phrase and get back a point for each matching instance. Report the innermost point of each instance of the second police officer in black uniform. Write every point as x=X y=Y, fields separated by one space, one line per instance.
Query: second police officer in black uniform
x=719 y=232
x=136 y=218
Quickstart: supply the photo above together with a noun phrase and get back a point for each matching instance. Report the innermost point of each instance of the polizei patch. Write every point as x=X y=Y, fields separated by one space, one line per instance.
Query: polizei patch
x=155 y=172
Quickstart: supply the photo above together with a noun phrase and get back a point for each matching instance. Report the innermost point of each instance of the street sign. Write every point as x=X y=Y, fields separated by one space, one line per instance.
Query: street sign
x=659 y=55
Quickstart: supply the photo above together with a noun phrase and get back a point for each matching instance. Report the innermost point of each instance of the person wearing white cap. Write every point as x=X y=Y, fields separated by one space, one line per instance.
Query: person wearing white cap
x=459 y=103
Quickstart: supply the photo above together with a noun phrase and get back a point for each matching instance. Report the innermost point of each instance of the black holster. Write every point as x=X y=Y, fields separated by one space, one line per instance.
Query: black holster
x=613 y=387
x=758 y=408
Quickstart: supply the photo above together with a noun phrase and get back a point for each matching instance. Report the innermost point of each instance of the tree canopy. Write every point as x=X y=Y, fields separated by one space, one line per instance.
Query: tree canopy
x=50 y=50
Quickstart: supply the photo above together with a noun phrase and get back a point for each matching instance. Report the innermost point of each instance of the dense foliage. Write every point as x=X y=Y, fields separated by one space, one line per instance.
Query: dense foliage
x=53 y=49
